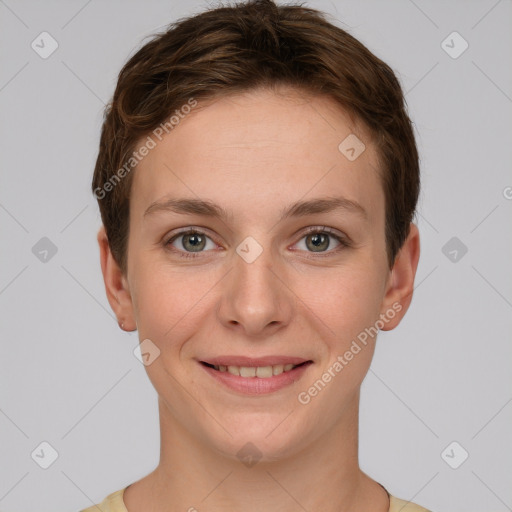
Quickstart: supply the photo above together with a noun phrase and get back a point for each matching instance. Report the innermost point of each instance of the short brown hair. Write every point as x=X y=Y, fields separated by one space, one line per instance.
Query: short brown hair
x=232 y=49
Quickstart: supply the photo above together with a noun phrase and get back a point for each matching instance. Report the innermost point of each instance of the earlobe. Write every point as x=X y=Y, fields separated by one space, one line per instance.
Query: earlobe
x=400 y=285
x=116 y=285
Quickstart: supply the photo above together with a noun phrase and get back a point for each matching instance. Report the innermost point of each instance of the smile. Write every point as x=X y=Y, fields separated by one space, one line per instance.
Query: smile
x=262 y=372
x=256 y=376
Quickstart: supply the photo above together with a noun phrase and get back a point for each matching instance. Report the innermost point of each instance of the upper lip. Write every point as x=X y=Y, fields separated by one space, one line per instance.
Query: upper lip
x=254 y=361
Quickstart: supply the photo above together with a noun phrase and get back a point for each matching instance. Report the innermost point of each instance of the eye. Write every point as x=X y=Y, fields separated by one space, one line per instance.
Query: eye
x=319 y=240
x=190 y=241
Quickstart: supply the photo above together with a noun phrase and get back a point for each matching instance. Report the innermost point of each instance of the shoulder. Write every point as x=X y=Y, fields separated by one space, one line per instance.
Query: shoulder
x=112 y=503
x=398 y=505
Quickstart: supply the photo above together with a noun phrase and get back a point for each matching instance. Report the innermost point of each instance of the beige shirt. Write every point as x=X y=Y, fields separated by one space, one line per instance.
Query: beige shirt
x=114 y=503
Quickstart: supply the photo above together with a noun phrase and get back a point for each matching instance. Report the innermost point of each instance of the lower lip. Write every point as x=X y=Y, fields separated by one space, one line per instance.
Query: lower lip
x=257 y=385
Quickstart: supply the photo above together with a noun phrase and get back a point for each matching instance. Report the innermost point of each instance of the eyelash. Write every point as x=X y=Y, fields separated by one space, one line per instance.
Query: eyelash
x=344 y=242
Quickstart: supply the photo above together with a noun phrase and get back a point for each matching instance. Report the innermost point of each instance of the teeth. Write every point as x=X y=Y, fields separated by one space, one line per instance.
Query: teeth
x=246 y=371
x=277 y=369
x=263 y=372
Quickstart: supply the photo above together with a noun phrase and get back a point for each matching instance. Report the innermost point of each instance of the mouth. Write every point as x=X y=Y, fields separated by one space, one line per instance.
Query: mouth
x=261 y=372
x=260 y=376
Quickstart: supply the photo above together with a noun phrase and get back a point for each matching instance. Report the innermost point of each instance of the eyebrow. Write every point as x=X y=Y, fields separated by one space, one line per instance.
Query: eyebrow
x=297 y=209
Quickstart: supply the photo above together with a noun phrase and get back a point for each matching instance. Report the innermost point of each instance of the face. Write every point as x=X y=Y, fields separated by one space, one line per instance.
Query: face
x=257 y=247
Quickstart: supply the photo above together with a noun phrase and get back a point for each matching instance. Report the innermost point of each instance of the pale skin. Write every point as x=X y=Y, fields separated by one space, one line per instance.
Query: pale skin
x=254 y=155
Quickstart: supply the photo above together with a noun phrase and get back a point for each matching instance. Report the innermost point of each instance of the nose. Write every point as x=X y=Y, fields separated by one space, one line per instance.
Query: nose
x=255 y=299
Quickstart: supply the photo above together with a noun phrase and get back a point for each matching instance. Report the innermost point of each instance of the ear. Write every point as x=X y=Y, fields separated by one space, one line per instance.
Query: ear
x=116 y=285
x=400 y=285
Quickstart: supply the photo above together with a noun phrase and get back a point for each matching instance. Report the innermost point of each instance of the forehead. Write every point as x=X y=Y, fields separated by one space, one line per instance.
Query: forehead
x=263 y=147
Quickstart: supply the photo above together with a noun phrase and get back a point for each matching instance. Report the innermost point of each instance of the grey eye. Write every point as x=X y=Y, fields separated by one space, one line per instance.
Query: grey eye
x=318 y=241
x=191 y=241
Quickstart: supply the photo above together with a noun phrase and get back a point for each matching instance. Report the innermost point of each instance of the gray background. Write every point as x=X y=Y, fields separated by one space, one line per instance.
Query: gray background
x=68 y=375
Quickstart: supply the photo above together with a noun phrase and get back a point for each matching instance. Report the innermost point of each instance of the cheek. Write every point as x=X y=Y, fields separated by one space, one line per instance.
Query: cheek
x=169 y=303
x=346 y=312
x=344 y=300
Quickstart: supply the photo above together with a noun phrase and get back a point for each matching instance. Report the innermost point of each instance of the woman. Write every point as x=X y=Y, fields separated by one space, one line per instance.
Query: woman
x=257 y=179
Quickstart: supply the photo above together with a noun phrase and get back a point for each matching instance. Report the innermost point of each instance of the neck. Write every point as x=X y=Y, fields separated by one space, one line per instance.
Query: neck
x=325 y=475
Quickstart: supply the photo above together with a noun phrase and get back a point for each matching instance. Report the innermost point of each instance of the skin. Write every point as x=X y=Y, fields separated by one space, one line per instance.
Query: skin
x=254 y=154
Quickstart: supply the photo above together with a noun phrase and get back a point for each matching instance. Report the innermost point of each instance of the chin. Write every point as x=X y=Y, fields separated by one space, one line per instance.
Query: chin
x=260 y=439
